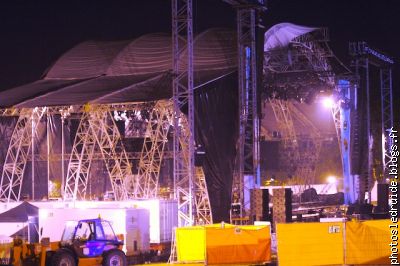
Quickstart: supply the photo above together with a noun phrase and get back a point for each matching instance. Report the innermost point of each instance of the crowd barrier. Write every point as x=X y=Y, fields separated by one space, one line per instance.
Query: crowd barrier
x=334 y=243
x=223 y=244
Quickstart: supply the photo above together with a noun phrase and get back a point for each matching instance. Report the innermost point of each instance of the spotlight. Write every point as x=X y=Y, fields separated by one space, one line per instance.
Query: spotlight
x=331 y=179
x=328 y=102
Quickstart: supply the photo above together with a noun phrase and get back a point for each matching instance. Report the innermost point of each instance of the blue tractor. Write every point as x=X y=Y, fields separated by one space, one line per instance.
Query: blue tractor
x=89 y=242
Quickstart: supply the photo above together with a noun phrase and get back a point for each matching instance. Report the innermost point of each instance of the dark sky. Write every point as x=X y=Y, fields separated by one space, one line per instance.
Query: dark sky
x=35 y=33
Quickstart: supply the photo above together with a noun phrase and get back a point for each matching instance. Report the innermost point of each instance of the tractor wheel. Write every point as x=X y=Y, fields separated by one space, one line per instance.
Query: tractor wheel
x=63 y=258
x=114 y=257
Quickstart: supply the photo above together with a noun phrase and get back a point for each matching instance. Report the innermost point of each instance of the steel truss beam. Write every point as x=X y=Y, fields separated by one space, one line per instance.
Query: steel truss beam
x=80 y=161
x=182 y=38
x=308 y=152
x=202 y=201
x=202 y=208
x=301 y=159
x=161 y=118
x=96 y=156
x=17 y=154
x=364 y=56
x=109 y=141
x=78 y=109
x=249 y=132
x=387 y=118
x=97 y=128
x=285 y=125
x=304 y=53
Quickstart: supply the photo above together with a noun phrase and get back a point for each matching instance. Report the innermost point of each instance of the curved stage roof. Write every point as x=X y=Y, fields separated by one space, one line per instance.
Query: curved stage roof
x=124 y=71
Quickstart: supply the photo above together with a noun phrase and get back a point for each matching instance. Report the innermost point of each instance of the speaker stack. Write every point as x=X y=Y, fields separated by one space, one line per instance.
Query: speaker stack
x=259 y=202
x=383 y=198
x=282 y=206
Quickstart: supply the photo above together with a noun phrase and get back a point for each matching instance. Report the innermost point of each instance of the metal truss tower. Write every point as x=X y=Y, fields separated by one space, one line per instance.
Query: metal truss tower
x=309 y=149
x=109 y=141
x=290 y=143
x=387 y=116
x=18 y=152
x=156 y=136
x=98 y=131
x=247 y=174
x=80 y=161
x=305 y=61
x=300 y=153
x=364 y=56
x=182 y=38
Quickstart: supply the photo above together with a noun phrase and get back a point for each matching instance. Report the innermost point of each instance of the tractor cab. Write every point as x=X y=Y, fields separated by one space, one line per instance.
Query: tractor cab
x=90 y=241
x=89 y=238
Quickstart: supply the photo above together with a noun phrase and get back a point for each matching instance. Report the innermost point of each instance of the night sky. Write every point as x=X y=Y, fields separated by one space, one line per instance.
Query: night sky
x=35 y=33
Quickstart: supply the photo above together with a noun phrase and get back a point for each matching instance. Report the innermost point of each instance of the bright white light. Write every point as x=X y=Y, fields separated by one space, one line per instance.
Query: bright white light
x=328 y=102
x=331 y=179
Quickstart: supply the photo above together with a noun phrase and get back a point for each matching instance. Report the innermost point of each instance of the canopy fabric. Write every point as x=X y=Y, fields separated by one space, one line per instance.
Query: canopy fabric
x=280 y=35
x=22 y=93
x=87 y=59
x=20 y=213
x=124 y=71
x=150 y=53
x=100 y=89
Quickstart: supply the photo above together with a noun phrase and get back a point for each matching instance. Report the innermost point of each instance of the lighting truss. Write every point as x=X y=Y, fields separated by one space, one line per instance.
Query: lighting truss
x=285 y=125
x=80 y=161
x=202 y=201
x=161 y=118
x=182 y=39
x=109 y=141
x=310 y=152
x=17 y=153
x=301 y=159
x=364 y=56
x=248 y=143
x=387 y=117
x=202 y=208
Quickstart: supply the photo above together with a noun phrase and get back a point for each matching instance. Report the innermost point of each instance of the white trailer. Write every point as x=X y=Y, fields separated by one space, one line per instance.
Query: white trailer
x=132 y=223
x=163 y=213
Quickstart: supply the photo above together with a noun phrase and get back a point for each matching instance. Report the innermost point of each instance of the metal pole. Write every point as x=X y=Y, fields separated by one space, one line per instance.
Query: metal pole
x=48 y=151
x=62 y=155
x=370 y=142
x=33 y=157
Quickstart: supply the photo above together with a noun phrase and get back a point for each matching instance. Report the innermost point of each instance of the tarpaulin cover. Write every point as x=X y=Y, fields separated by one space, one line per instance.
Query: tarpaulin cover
x=280 y=35
x=310 y=244
x=368 y=242
x=190 y=243
x=227 y=244
x=20 y=213
x=243 y=244
x=217 y=130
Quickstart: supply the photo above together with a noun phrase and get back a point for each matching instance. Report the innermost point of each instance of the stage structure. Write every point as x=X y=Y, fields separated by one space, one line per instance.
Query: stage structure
x=18 y=152
x=247 y=172
x=182 y=38
x=92 y=100
x=296 y=67
x=364 y=57
x=98 y=137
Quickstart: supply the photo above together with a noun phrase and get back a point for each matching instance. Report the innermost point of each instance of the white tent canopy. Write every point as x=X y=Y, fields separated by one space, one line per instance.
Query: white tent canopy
x=280 y=35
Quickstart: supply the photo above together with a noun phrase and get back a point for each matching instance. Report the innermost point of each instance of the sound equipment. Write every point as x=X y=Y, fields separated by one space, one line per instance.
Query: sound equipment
x=383 y=198
x=282 y=206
